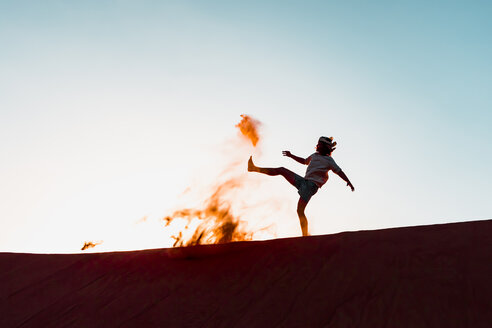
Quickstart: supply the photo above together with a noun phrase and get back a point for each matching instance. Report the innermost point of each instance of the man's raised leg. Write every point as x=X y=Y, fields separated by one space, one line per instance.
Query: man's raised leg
x=287 y=174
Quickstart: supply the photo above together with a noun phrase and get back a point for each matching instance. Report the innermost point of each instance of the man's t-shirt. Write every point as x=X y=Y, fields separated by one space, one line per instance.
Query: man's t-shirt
x=319 y=165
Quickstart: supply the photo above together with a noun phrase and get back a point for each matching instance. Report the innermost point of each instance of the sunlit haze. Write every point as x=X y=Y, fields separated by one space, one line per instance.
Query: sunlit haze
x=116 y=114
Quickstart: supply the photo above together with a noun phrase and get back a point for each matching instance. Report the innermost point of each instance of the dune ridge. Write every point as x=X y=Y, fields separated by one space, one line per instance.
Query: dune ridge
x=424 y=276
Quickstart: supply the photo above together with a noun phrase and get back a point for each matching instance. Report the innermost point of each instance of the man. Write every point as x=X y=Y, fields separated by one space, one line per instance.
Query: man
x=319 y=163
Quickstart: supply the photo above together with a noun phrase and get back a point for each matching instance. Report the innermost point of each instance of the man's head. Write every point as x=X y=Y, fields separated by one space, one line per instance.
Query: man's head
x=326 y=145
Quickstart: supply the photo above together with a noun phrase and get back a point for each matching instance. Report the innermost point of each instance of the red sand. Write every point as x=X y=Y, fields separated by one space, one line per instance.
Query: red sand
x=428 y=276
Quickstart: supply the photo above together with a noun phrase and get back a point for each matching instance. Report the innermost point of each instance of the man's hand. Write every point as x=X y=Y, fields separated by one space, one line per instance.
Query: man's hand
x=287 y=153
x=346 y=179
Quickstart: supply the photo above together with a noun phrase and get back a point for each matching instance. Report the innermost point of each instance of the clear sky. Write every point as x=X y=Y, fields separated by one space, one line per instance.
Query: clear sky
x=110 y=109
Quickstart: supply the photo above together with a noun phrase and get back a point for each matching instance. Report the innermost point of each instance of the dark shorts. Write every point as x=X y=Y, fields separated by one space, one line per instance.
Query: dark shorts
x=306 y=188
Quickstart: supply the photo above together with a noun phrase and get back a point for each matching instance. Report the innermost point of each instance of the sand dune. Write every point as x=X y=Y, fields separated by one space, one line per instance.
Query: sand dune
x=426 y=276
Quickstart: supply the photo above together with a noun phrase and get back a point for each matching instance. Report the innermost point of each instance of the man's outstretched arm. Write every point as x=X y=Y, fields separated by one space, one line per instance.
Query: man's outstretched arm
x=346 y=179
x=294 y=157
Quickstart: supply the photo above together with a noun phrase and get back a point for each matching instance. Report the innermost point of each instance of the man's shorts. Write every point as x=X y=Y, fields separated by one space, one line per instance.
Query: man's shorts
x=306 y=188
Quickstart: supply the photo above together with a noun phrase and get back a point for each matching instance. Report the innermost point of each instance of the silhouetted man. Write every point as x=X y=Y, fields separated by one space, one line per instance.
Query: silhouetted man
x=316 y=176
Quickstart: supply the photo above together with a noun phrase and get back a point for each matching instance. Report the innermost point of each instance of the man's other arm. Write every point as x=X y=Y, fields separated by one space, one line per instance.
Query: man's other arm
x=345 y=178
x=296 y=158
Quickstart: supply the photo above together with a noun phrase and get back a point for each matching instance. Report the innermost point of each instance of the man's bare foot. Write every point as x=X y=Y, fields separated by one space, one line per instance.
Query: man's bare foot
x=251 y=166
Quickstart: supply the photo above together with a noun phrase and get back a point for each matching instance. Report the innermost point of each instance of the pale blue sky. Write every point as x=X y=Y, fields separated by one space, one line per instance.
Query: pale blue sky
x=108 y=109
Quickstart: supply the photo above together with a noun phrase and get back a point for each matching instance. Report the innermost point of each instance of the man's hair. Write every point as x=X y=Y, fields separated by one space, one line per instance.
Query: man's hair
x=329 y=145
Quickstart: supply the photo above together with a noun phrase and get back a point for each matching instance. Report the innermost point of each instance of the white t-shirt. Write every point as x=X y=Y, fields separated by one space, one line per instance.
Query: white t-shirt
x=319 y=165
